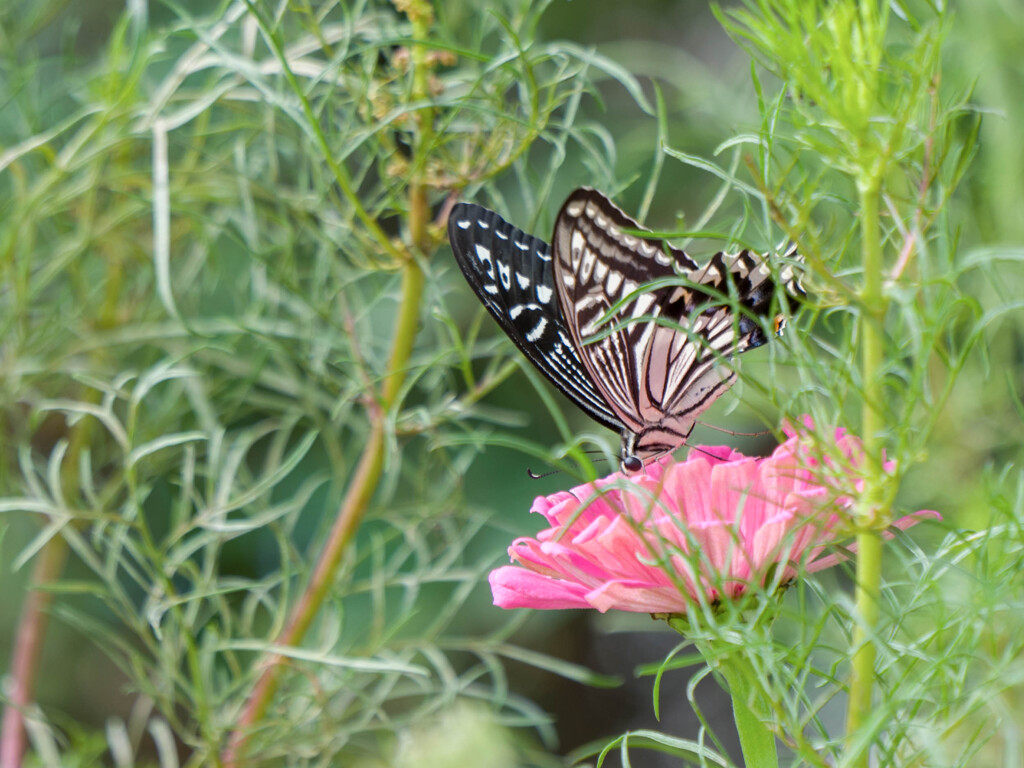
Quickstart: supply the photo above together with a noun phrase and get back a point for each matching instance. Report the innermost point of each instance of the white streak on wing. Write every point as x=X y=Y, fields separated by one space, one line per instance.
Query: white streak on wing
x=483 y=224
x=576 y=245
x=521 y=246
x=585 y=302
x=589 y=257
x=614 y=281
x=491 y=288
x=678 y=294
x=742 y=267
x=543 y=256
x=722 y=341
x=501 y=234
x=661 y=257
x=642 y=304
x=600 y=271
x=538 y=330
x=463 y=223
x=543 y=294
x=640 y=347
x=679 y=371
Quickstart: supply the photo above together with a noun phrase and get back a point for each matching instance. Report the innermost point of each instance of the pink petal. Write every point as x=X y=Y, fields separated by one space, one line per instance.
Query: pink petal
x=514 y=587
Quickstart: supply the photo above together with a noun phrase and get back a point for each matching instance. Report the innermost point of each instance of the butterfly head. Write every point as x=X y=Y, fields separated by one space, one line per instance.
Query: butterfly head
x=631 y=464
x=638 y=449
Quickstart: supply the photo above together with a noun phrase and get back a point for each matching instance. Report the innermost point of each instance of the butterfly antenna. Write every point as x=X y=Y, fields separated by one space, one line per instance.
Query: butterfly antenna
x=534 y=476
x=732 y=432
x=701 y=450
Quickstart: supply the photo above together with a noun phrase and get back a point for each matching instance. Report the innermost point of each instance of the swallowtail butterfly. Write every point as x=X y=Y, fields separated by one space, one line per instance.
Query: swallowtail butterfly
x=650 y=369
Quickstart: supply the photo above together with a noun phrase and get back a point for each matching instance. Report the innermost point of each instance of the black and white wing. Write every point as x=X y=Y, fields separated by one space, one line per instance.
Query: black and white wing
x=512 y=274
x=655 y=377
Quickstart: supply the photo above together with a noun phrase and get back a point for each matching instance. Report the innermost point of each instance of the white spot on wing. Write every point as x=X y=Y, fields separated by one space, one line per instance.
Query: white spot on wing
x=463 y=223
x=537 y=331
x=501 y=234
x=523 y=280
x=483 y=224
x=482 y=253
x=505 y=274
x=543 y=294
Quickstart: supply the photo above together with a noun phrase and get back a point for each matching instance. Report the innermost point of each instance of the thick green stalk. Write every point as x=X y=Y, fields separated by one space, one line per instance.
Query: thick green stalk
x=750 y=709
x=869 y=542
x=750 y=713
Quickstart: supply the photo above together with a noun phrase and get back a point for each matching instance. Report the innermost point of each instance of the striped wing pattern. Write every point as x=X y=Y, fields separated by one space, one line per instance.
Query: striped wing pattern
x=512 y=273
x=654 y=366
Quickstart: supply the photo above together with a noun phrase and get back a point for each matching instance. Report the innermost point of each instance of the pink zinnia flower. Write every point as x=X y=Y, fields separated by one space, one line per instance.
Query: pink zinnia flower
x=705 y=529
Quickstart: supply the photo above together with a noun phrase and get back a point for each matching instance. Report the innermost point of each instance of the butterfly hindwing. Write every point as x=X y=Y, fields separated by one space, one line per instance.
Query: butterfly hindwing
x=659 y=367
x=512 y=275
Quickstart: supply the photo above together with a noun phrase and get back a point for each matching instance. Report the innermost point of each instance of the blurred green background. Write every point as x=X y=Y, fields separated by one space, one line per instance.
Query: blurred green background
x=52 y=52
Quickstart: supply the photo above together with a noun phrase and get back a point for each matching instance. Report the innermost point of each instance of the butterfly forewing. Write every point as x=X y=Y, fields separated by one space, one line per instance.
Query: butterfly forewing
x=512 y=274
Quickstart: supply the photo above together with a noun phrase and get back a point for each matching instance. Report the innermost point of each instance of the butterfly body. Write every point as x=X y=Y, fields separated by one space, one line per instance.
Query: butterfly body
x=650 y=367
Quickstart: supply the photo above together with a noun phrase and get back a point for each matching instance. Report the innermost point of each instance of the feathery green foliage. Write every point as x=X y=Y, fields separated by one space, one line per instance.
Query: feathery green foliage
x=227 y=302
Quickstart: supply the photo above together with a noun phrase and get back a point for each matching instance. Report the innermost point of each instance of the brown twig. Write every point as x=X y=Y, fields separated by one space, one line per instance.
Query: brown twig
x=28 y=648
x=366 y=478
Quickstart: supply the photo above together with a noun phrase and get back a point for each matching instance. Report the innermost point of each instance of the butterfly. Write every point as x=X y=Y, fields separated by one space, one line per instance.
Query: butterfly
x=647 y=370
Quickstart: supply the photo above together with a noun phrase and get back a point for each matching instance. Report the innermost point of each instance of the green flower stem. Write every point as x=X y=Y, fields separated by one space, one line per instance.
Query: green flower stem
x=869 y=543
x=750 y=711
x=750 y=708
